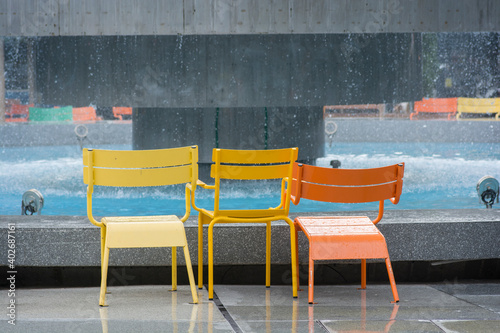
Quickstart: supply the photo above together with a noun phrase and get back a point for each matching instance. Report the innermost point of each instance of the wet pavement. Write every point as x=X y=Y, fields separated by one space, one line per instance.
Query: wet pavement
x=443 y=307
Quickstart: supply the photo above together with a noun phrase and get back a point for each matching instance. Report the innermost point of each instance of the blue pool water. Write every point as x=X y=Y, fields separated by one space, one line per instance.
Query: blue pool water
x=437 y=176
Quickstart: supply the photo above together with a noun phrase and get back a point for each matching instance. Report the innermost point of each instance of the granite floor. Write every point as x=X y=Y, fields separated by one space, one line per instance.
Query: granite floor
x=444 y=307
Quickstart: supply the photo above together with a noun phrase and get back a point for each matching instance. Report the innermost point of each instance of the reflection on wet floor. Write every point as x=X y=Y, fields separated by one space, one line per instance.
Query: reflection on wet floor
x=247 y=308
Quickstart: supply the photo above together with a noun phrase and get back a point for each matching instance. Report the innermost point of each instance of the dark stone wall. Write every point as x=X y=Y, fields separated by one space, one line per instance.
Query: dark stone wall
x=210 y=71
x=232 y=128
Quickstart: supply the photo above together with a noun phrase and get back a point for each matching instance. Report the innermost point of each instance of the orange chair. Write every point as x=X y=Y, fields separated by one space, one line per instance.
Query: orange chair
x=120 y=111
x=346 y=237
x=85 y=114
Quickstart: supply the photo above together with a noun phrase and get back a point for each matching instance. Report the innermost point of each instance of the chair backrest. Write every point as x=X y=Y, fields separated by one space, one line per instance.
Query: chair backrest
x=252 y=165
x=139 y=168
x=348 y=185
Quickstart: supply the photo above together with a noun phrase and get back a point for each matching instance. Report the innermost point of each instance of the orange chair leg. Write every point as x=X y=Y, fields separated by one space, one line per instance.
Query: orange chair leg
x=311 y=280
x=363 y=273
x=391 y=279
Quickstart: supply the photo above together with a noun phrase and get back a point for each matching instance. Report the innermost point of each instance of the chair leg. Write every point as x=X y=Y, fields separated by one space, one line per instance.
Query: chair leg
x=296 y=240
x=363 y=273
x=211 y=261
x=391 y=280
x=104 y=276
x=103 y=244
x=311 y=280
x=174 y=268
x=192 y=283
x=268 y=254
x=200 y=251
x=293 y=251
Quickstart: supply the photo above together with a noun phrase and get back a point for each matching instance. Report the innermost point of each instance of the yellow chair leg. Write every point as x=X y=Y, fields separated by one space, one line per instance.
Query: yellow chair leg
x=174 y=268
x=294 y=258
x=192 y=283
x=104 y=276
x=200 y=251
x=211 y=261
x=103 y=244
x=268 y=254
x=296 y=241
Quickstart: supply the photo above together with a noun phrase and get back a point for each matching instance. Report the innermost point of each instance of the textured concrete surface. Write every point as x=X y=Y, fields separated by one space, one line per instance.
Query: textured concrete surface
x=155 y=17
x=420 y=235
x=447 y=307
x=59 y=134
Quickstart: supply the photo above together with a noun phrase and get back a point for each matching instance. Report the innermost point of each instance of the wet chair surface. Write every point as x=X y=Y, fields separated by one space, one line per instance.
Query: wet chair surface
x=241 y=165
x=346 y=237
x=142 y=168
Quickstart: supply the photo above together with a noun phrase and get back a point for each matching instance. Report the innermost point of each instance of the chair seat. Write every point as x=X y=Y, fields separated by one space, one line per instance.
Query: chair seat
x=144 y=231
x=342 y=237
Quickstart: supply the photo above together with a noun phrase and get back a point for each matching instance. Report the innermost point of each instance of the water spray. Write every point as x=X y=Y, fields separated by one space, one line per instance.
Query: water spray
x=487 y=190
x=32 y=202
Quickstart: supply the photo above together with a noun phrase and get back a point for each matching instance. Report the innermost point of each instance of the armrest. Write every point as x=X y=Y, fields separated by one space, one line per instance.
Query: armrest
x=189 y=190
x=203 y=185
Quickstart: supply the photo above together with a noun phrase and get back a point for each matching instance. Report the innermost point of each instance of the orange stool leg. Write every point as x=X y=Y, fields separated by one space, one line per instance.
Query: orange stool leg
x=363 y=273
x=311 y=280
x=391 y=279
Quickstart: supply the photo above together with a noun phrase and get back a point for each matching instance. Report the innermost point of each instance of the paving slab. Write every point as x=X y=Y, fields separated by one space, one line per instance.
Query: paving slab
x=444 y=307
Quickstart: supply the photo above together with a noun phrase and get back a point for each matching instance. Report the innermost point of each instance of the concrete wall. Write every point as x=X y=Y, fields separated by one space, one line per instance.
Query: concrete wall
x=397 y=130
x=349 y=130
x=200 y=17
x=59 y=134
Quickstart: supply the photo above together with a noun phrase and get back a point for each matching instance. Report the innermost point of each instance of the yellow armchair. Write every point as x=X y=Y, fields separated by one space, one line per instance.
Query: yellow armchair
x=247 y=165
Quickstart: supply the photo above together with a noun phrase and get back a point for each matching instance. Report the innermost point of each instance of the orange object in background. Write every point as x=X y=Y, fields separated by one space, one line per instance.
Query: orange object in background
x=85 y=114
x=346 y=237
x=17 y=113
x=120 y=111
x=436 y=106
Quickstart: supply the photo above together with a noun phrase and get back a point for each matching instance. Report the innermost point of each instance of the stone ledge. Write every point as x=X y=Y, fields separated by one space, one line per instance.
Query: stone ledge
x=418 y=235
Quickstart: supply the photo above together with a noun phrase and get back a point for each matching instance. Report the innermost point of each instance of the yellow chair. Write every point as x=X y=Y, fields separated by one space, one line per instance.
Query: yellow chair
x=247 y=165
x=142 y=168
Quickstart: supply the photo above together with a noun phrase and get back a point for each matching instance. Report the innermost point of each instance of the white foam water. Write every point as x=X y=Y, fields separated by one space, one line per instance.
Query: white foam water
x=437 y=176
